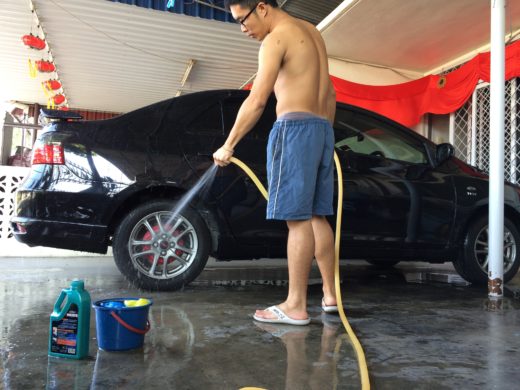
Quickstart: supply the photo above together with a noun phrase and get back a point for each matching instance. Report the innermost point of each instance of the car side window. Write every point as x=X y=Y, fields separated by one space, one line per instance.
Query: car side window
x=369 y=136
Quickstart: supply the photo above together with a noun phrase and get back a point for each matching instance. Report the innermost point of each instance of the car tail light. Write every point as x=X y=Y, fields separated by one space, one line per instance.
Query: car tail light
x=20 y=229
x=48 y=154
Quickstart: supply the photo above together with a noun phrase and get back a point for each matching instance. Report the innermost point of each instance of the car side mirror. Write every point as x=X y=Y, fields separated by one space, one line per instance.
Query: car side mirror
x=444 y=152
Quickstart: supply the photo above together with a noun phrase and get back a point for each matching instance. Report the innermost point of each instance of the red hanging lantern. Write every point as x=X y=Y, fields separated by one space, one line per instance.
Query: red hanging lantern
x=58 y=99
x=53 y=84
x=34 y=42
x=45 y=66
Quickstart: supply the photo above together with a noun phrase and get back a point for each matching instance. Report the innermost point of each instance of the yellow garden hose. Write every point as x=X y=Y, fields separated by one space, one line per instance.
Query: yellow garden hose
x=363 y=370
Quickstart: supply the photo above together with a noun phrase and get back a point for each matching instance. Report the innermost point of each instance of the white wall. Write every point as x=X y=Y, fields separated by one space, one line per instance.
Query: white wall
x=422 y=126
x=440 y=128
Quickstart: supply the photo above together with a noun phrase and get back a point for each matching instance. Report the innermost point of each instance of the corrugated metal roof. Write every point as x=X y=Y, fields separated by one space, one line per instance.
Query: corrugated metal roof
x=15 y=21
x=207 y=9
x=118 y=57
x=312 y=11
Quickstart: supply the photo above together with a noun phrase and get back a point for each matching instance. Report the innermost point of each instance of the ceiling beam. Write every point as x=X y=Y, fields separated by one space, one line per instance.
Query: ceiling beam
x=340 y=10
x=187 y=72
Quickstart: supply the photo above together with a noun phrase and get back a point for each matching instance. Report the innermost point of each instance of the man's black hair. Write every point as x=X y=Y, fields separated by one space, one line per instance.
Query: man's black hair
x=250 y=3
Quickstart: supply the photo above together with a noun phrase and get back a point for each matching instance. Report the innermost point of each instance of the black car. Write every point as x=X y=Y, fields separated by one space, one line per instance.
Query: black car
x=115 y=183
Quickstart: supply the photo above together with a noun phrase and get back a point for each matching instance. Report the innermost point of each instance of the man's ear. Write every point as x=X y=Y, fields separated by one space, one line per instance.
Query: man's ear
x=262 y=9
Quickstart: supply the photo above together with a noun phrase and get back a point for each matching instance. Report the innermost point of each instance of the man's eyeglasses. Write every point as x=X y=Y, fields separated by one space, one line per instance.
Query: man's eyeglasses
x=243 y=20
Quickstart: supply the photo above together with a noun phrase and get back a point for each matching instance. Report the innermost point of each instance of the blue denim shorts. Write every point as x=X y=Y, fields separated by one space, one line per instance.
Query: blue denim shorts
x=300 y=167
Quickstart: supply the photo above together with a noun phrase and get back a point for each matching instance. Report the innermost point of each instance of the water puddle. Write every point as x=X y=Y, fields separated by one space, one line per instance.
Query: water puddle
x=435 y=277
x=512 y=292
x=243 y=277
x=240 y=283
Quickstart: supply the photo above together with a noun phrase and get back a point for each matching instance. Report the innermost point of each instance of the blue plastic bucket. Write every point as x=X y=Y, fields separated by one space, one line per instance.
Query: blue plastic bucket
x=120 y=328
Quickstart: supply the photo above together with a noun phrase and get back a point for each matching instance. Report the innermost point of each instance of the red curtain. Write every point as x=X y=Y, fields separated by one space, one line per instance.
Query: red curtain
x=407 y=102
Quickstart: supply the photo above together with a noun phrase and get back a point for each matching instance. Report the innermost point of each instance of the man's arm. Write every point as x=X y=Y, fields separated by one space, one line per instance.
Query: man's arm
x=270 y=59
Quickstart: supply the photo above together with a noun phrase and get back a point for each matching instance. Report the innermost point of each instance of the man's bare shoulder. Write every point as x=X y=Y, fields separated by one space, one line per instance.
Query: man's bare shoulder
x=276 y=38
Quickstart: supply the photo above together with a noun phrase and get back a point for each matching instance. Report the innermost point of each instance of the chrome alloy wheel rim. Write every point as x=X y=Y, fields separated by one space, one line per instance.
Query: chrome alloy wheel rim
x=481 y=249
x=161 y=247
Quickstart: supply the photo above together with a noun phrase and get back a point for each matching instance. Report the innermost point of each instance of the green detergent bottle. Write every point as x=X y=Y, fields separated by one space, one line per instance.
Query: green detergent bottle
x=70 y=323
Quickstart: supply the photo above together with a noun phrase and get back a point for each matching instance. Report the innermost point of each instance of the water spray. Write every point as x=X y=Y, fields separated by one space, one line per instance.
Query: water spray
x=202 y=184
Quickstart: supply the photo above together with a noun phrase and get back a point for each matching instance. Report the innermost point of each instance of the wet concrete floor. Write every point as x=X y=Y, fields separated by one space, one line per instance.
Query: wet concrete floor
x=420 y=325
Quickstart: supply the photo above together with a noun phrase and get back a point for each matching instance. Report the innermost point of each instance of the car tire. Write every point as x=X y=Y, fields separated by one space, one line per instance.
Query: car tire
x=157 y=252
x=383 y=263
x=472 y=263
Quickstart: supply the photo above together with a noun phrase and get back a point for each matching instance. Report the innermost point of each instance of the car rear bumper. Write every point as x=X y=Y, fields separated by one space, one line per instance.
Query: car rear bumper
x=63 y=235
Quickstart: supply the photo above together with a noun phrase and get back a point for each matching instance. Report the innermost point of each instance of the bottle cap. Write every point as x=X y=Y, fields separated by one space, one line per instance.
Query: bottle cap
x=77 y=284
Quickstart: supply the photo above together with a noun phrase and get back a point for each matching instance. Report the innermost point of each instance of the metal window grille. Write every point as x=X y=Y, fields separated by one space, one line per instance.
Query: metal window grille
x=460 y=131
x=470 y=130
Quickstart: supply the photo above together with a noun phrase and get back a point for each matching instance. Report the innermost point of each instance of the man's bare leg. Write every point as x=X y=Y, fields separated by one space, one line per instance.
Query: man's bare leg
x=324 y=253
x=300 y=252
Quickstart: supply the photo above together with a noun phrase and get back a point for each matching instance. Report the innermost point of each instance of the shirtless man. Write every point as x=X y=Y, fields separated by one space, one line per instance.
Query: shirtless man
x=292 y=61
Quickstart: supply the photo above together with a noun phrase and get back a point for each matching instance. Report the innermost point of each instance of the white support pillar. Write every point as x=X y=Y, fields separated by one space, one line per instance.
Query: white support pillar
x=496 y=155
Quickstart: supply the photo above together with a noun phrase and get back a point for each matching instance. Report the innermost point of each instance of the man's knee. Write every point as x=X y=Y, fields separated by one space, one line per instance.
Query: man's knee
x=298 y=223
x=319 y=220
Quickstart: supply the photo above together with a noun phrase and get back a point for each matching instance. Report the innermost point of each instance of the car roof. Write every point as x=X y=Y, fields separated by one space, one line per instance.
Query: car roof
x=221 y=94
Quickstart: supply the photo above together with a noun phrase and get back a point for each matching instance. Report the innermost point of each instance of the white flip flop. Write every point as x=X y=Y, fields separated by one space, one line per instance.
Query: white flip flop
x=281 y=318
x=328 y=309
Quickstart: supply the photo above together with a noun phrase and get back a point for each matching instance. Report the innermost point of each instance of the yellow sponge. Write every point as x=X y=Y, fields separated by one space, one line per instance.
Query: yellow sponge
x=136 y=302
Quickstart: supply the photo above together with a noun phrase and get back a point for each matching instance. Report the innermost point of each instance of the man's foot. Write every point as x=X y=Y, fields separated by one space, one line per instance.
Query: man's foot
x=276 y=315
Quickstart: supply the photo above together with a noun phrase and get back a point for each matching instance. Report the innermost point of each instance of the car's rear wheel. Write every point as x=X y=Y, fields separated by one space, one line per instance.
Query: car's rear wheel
x=472 y=263
x=157 y=250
